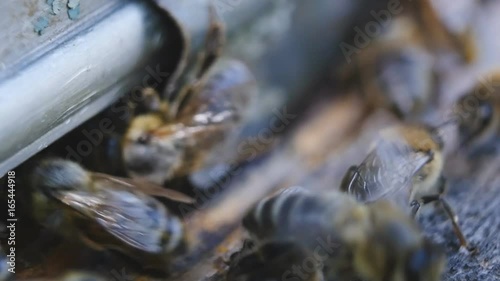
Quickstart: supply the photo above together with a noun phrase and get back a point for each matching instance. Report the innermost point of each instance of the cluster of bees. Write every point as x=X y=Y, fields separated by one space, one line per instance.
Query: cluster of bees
x=370 y=217
x=367 y=222
x=165 y=139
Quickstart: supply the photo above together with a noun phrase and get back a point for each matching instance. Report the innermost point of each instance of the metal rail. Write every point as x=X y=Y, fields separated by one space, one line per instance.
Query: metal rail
x=53 y=82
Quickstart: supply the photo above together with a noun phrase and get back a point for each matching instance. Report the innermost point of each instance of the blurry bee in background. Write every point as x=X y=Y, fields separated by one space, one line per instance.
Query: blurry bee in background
x=438 y=36
x=405 y=163
x=107 y=213
x=193 y=131
x=478 y=117
x=344 y=236
x=396 y=72
x=80 y=276
x=400 y=69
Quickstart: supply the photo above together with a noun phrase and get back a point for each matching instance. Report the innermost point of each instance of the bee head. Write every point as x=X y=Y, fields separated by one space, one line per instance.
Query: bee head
x=56 y=175
x=151 y=150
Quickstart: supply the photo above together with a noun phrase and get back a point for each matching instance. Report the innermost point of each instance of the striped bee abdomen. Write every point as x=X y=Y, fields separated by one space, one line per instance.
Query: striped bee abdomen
x=301 y=216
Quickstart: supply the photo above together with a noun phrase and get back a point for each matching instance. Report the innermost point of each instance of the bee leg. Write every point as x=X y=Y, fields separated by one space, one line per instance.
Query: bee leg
x=212 y=50
x=453 y=217
x=415 y=206
x=458 y=231
x=213 y=43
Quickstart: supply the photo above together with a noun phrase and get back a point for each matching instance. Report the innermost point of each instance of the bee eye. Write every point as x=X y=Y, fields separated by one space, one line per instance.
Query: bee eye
x=144 y=139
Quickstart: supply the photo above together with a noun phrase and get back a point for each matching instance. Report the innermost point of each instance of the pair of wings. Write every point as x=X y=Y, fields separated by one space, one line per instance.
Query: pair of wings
x=126 y=209
x=388 y=168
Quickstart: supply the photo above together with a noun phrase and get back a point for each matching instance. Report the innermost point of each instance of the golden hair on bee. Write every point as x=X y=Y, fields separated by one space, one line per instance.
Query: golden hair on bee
x=419 y=137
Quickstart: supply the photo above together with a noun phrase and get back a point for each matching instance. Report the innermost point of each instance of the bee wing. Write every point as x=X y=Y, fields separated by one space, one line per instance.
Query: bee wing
x=135 y=220
x=146 y=187
x=391 y=167
x=295 y=189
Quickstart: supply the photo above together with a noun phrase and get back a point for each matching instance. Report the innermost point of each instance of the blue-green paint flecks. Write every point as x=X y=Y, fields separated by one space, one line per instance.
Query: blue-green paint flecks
x=41 y=24
x=72 y=4
x=74 y=13
x=56 y=6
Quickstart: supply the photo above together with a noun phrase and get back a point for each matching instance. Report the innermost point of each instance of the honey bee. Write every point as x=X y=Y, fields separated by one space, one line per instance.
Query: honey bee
x=107 y=213
x=193 y=131
x=346 y=238
x=397 y=72
x=405 y=163
x=478 y=118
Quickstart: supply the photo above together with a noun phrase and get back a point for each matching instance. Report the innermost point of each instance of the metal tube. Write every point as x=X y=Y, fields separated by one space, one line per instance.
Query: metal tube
x=42 y=97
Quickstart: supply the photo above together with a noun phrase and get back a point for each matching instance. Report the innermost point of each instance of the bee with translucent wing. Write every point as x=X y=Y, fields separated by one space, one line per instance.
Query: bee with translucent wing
x=193 y=131
x=107 y=213
x=405 y=163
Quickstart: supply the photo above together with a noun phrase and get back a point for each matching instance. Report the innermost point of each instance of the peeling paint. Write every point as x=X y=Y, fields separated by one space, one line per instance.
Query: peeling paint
x=41 y=24
x=72 y=4
x=74 y=14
